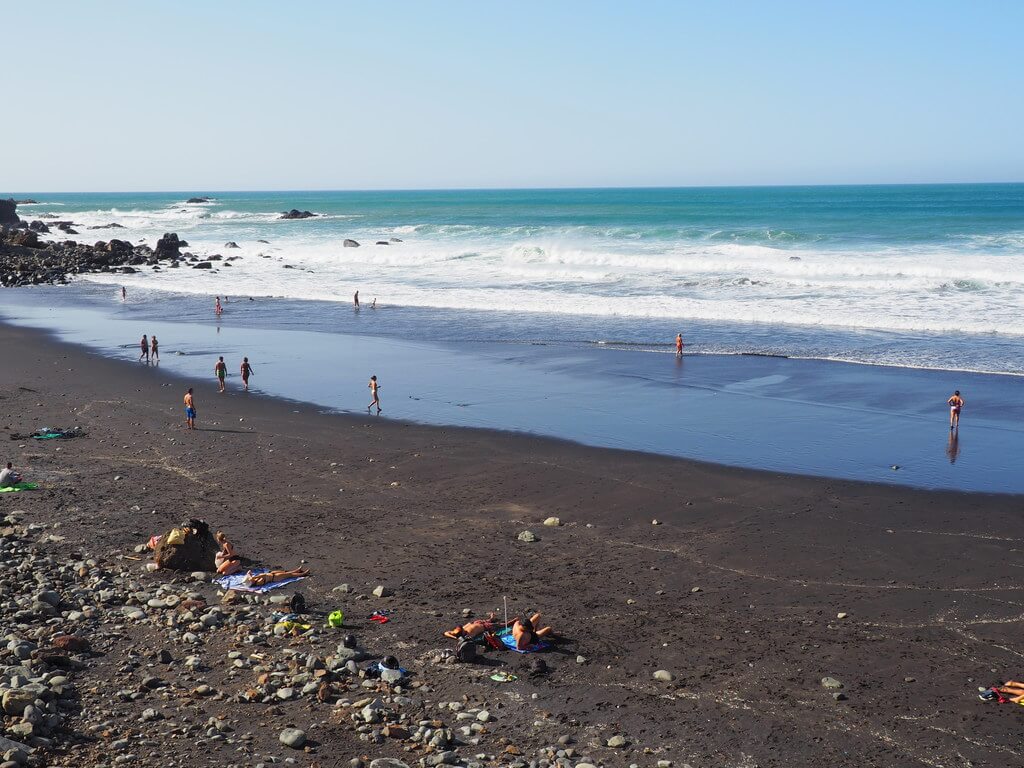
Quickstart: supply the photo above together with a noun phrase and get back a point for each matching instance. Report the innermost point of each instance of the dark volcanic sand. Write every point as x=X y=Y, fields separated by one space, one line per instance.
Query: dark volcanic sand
x=931 y=581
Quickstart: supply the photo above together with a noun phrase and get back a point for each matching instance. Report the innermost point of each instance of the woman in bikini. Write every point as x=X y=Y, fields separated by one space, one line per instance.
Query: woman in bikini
x=227 y=560
x=262 y=579
x=955 y=404
x=375 y=391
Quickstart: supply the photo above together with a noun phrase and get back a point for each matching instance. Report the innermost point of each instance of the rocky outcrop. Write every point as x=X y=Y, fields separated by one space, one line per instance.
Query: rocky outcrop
x=111 y=225
x=26 y=260
x=9 y=212
x=65 y=227
x=27 y=201
x=349 y=243
x=295 y=213
x=199 y=200
x=169 y=246
x=383 y=242
x=230 y=244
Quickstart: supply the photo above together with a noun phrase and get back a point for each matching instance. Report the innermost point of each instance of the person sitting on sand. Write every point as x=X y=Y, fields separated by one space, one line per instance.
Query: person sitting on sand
x=8 y=477
x=525 y=633
x=262 y=579
x=473 y=628
x=227 y=560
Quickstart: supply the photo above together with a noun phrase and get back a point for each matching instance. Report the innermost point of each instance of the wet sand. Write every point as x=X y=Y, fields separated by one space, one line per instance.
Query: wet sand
x=931 y=581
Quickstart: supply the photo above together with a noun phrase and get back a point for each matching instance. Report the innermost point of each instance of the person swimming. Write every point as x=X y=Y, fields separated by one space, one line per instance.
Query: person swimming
x=956 y=403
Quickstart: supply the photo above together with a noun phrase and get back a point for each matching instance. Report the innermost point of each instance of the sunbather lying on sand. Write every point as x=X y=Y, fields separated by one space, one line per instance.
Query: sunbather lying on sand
x=1013 y=691
x=262 y=579
x=525 y=633
x=473 y=628
x=227 y=560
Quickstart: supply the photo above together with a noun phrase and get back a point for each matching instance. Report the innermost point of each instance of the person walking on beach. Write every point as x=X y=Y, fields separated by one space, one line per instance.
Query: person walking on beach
x=221 y=370
x=144 y=345
x=190 y=410
x=375 y=391
x=355 y=300
x=246 y=372
x=679 y=343
x=154 y=349
x=217 y=308
x=955 y=404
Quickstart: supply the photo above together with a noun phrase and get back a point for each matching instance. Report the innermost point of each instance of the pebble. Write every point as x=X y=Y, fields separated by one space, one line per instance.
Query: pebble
x=831 y=683
x=293 y=737
x=527 y=537
x=842 y=615
x=664 y=676
x=617 y=741
x=382 y=591
x=552 y=522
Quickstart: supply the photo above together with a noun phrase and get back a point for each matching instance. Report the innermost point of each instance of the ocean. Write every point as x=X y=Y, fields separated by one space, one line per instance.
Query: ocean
x=911 y=276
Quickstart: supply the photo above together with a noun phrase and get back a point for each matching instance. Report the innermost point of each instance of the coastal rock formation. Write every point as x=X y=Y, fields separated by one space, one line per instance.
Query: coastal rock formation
x=9 y=212
x=65 y=226
x=230 y=244
x=27 y=201
x=295 y=213
x=39 y=227
x=26 y=260
x=383 y=242
x=199 y=200
x=350 y=243
x=169 y=246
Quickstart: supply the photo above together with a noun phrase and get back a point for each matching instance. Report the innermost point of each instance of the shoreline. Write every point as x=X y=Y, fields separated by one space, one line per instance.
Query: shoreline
x=795 y=416
x=434 y=514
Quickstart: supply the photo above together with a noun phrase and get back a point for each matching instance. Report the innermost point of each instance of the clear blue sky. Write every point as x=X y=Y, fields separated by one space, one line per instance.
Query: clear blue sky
x=334 y=95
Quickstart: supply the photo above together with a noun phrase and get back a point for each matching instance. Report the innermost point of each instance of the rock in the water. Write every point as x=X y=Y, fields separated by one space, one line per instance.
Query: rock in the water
x=383 y=242
x=199 y=200
x=350 y=243
x=295 y=213
x=9 y=212
x=39 y=227
x=203 y=265
x=230 y=244
x=527 y=536
x=169 y=246
x=293 y=737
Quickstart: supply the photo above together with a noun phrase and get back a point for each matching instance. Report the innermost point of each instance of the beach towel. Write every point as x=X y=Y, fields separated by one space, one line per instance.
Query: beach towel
x=236 y=581
x=19 y=487
x=506 y=638
x=49 y=433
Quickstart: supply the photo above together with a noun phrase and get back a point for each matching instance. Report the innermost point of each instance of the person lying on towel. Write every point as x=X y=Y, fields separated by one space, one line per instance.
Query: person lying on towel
x=526 y=634
x=473 y=628
x=262 y=579
x=8 y=477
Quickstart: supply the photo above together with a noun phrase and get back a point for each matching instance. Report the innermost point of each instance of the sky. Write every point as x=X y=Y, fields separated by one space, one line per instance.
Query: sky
x=126 y=96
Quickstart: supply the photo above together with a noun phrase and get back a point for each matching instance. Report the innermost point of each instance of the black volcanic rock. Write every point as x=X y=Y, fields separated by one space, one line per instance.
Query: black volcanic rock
x=203 y=265
x=199 y=200
x=169 y=246
x=349 y=243
x=383 y=242
x=9 y=212
x=39 y=227
x=230 y=244
x=295 y=213
x=27 y=201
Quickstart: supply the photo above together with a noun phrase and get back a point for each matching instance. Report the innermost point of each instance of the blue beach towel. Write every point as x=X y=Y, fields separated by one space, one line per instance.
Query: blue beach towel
x=510 y=642
x=236 y=581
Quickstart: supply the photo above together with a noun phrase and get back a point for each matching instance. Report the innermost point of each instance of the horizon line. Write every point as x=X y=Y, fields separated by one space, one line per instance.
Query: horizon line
x=199 y=192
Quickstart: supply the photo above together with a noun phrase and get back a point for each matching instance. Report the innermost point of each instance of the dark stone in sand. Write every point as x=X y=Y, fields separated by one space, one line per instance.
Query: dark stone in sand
x=9 y=212
x=40 y=227
x=199 y=200
x=383 y=242
x=203 y=265
x=295 y=213
x=196 y=553
x=230 y=244
x=349 y=243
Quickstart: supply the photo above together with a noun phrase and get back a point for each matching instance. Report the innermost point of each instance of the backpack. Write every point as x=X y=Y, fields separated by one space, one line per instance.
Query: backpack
x=466 y=651
x=297 y=603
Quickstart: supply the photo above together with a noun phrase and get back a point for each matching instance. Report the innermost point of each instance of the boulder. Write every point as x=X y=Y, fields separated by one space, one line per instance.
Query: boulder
x=28 y=238
x=295 y=213
x=196 y=552
x=383 y=242
x=39 y=226
x=27 y=201
x=230 y=244
x=203 y=265
x=9 y=212
x=349 y=243
x=199 y=200
x=169 y=246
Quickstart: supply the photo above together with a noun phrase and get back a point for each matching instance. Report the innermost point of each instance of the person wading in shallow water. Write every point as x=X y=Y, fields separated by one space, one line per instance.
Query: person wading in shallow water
x=955 y=404
x=355 y=300
x=679 y=343
x=221 y=369
x=154 y=349
x=375 y=391
x=144 y=345
x=246 y=372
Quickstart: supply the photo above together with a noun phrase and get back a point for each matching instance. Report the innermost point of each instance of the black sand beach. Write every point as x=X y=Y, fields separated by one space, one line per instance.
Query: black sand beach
x=736 y=591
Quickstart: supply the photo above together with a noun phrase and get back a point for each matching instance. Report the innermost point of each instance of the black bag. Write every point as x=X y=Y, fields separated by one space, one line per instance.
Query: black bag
x=466 y=651
x=298 y=603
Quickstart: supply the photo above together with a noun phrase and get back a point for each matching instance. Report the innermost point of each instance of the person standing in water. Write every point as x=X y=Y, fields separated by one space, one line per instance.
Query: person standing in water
x=375 y=392
x=355 y=300
x=190 y=410
x=221 y=370
x=217 y=308
x=246 y=372
x=679 y=343
x=144 y=345
x=955 y=404
x=154 y=349
x=124 y=293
